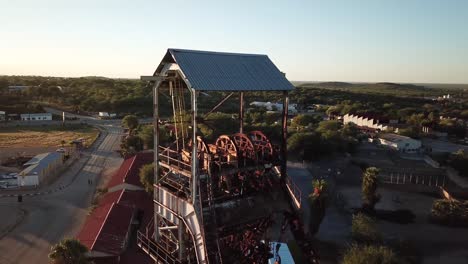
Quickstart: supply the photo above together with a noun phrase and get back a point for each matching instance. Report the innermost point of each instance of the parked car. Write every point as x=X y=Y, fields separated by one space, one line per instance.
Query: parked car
x=61 y=150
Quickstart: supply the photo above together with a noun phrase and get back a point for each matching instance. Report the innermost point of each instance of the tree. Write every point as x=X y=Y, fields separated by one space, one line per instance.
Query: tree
x=303 y=120
x=369 y=188
x=130 y=122
x=147 y=176
x=131 y=145
x=68 y=251
x=318 y=205
x=329 y=129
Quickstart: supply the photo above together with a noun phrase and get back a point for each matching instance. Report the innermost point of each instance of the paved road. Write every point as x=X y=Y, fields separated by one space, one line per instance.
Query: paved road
x=92 y=119
x=49 y=218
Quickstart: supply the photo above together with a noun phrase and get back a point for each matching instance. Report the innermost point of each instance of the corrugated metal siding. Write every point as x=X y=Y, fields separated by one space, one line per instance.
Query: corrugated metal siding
x=216 y=71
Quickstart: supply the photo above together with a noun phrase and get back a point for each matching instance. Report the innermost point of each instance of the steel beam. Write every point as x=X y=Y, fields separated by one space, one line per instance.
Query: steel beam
x=156 y=150
x=241 y=112
x=284 y=124
x=152 y=78
x=194 y=147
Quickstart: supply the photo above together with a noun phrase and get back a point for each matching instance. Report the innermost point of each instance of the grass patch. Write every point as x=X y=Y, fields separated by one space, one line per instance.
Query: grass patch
x=46 y=136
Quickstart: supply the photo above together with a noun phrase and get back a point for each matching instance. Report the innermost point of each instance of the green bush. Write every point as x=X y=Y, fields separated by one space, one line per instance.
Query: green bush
x=370 y=254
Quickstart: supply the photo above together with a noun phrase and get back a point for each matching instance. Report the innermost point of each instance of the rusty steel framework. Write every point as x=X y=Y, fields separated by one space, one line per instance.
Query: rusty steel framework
x=195 y=178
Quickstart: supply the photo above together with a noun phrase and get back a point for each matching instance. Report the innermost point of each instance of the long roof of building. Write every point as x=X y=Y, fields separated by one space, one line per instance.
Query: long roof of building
x=221 y=71
x=129 y=170
x=39 y=162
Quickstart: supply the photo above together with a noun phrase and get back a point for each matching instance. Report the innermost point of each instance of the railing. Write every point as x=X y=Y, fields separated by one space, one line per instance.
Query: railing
x=165 y=157
x=154 y=250
x=293 y=189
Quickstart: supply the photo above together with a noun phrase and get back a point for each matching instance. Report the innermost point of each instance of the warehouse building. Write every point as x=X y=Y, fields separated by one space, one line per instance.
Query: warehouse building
x=400 y=143
x=40 y=168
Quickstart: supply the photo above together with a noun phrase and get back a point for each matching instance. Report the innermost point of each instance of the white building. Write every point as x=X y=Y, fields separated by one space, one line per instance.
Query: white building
x=362 y=121
x=2 y=116
x=400 y=143
x=106 y=115
x=36 y=117
x=40 y=168
x=292 y=108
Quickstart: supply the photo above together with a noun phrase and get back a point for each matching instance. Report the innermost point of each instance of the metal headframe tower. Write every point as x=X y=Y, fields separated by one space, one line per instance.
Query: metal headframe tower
x=191 y=177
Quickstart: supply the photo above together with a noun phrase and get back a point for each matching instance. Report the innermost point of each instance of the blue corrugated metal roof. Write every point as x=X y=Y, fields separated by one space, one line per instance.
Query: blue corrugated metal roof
x=283 y=255
x=219 y=71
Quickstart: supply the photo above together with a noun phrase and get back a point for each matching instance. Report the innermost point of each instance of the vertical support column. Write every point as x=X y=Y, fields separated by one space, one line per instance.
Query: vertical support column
x=180 y=235
x=156 y=154
x=241 y=112
x=284 y=124
x=194 y=147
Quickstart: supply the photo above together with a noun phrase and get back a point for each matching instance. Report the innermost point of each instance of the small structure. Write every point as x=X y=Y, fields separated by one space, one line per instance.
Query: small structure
x=400 y=143
x=40 y=168
x=36 y=117
x=2 y=116
x=107 y=115
x=103 y=115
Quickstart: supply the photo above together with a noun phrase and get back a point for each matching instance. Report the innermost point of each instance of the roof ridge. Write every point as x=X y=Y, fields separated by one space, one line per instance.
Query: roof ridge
x=129 y=168
x=216 y=52
x=102 y=225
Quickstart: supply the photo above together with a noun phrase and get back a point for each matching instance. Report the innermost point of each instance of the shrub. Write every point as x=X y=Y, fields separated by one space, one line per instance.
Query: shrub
x=369 y=188
x=369 y=254
x=450 y=212
x=364 y=229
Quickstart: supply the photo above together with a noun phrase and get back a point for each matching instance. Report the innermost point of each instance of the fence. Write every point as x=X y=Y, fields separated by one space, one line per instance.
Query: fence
x=434 y=180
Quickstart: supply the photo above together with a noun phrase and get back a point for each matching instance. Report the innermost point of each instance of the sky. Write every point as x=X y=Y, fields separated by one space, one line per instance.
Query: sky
x=419 y=41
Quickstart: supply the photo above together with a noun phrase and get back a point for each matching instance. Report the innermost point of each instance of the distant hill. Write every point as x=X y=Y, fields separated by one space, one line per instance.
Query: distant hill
x=336 y=84
x=384 y=88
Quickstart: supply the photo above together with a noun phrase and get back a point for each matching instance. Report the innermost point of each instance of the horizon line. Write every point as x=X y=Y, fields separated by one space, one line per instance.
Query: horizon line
x=310 y=81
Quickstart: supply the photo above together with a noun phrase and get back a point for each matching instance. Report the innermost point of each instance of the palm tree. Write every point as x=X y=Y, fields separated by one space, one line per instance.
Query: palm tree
x=318 y=205
x=68 y=251
x=369 y=189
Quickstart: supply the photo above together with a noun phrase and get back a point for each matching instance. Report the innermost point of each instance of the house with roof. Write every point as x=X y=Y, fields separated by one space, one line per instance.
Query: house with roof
x=123 y=210
x=40 y=168
x=110 y=226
